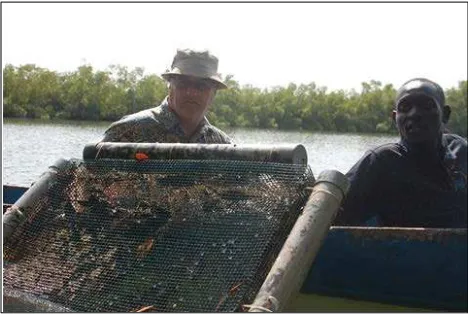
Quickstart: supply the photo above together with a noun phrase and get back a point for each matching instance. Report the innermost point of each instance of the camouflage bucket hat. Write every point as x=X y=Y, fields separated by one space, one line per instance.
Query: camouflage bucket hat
x=200 y=64
x=422 y=87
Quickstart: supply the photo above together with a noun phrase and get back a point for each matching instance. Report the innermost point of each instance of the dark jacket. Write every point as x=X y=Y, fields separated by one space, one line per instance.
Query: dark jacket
x=403 y=187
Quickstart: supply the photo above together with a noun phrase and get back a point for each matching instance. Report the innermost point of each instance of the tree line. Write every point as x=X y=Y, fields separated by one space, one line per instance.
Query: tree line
x=30 y=91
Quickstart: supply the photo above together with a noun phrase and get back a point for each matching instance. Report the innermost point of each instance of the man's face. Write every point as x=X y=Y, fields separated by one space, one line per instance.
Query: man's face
x=190 y=97
x=419 y=119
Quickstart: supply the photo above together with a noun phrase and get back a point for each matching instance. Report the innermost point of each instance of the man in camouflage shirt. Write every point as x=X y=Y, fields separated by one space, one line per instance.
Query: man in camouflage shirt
x=193 y=83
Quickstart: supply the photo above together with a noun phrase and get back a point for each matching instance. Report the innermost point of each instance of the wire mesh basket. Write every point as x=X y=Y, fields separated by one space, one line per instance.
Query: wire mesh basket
x=122 y=235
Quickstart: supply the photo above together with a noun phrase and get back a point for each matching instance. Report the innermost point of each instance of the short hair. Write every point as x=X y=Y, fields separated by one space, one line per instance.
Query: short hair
x=421 y=86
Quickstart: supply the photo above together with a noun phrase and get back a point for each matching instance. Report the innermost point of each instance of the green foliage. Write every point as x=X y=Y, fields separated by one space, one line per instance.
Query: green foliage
x=88 y=94
x=457 y=98
x=84 y=94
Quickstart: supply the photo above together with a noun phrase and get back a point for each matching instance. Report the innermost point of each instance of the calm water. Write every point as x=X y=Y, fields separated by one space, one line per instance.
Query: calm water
x=29 y=147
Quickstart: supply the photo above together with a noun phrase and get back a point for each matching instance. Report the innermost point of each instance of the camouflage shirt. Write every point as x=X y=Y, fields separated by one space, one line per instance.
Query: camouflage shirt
x=161 y=125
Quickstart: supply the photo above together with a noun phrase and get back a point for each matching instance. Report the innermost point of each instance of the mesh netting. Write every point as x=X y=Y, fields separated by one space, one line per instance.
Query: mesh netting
x=121 y=235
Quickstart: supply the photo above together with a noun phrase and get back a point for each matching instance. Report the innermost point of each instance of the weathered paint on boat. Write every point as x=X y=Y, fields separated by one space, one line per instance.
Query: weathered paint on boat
x=303 y=302
x=12 y=192
x=413 y=267
x=379 y=269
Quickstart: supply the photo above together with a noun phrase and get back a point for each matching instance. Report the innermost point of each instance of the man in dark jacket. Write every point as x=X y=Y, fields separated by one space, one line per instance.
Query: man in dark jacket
x=193 y=83
x=419 y=181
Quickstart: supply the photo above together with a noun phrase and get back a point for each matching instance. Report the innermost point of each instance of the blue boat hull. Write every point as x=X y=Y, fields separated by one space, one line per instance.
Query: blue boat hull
x=422 y=268
x=419 y=268
x=12 y=192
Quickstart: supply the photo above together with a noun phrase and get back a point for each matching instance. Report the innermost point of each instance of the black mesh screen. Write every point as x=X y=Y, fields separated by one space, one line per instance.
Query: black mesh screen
x=123 y=235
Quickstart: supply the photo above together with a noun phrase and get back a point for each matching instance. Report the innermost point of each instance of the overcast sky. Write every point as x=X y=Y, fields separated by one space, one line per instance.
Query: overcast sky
x=333 y=45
